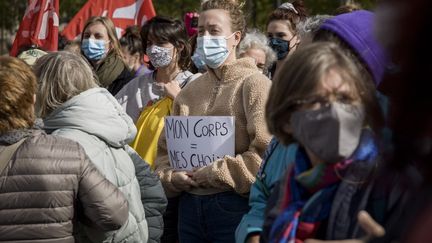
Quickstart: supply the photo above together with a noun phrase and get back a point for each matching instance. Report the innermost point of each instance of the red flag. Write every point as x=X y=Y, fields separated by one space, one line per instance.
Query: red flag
x=123 y=13
x=39 y=26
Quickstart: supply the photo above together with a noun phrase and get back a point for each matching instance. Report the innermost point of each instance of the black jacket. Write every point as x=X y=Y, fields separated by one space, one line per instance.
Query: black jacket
x=384 y=197
x=121 y=80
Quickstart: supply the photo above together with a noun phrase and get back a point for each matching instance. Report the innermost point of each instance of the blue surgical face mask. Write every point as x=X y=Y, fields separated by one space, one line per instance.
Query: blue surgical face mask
x=213 y=49
x=198 y=62
x=93 y=49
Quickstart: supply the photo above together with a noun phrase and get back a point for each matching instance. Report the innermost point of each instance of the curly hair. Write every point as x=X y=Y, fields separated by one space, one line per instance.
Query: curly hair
x=235 y=11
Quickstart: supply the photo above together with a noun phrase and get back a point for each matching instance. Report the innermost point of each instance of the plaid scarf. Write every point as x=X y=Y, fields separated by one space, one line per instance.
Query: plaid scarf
x=309 y=191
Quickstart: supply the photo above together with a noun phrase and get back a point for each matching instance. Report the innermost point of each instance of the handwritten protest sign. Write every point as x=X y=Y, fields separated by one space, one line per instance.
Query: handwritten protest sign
x=197 y=141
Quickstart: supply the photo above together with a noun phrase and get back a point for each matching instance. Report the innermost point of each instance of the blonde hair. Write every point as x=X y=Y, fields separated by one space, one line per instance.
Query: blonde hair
x=62 y=75
x=234 y=9
x=17 y=89
x=109 y=26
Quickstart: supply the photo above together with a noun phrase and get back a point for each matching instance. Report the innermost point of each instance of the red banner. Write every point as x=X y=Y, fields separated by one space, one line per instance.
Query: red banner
x=123 y=13
x=39 y=26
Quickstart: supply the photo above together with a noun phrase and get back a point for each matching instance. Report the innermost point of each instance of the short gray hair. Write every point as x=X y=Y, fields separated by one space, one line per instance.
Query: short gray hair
x=61 y=76
x=307 y=28
x=256 y=40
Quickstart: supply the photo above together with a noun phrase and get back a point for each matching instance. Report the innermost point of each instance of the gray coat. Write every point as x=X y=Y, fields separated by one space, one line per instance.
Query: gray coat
x=152 y=196
x=97 y=122
x=48 y=185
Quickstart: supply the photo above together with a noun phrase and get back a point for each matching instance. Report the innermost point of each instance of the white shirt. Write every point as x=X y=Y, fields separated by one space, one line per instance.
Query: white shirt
x=137 y=94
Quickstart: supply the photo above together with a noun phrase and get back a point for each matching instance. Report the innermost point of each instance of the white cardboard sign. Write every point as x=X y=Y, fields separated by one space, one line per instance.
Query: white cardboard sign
x=197 y=141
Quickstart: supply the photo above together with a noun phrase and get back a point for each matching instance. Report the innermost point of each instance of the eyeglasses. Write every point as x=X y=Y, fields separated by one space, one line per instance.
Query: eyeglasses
x=319 y=101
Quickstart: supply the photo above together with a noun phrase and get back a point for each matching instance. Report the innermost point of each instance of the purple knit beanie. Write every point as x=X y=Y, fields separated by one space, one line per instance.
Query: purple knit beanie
x=356 y=29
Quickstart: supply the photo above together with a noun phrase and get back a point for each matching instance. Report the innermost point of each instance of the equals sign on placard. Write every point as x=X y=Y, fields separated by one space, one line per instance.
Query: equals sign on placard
x=194 y=146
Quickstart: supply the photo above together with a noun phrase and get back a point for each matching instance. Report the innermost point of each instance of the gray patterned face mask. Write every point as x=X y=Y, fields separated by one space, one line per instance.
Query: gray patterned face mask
x=331 y=133
x=159 y=56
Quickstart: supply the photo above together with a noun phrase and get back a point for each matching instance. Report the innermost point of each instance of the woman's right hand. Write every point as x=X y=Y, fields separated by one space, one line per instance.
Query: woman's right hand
x=182 y=180
x=172 y=89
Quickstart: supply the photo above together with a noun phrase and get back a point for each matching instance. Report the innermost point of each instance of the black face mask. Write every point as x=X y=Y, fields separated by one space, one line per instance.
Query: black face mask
x=281 y=47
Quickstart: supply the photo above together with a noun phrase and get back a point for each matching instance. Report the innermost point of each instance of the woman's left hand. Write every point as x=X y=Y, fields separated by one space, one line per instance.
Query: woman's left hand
x=200 y=177
x=172 y=89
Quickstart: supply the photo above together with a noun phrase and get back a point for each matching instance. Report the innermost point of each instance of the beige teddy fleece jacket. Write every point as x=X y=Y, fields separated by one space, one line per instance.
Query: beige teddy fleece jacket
x=241 y=92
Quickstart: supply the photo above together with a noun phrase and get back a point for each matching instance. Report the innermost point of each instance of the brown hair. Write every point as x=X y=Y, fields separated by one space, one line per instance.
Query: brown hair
x=18 y=86
x=234 y=9
x=109 y=25
x=348 y=8
x=301 y=74
x=131 y=39
x=292 y=17
x=164 y=29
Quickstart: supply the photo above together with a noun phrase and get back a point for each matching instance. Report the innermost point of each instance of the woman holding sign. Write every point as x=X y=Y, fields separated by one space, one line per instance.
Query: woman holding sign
x=213 y=197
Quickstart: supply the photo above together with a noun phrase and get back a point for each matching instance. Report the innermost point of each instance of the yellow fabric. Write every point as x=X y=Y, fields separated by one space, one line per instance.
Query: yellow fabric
x=149 y=126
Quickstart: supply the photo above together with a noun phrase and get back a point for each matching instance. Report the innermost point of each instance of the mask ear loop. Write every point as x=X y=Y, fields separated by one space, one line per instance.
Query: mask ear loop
x=234 y=46
x=296 y=44
x=336 y=171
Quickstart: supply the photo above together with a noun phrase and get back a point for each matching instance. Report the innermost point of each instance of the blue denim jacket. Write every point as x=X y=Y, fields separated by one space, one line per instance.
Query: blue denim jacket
x=276 y=159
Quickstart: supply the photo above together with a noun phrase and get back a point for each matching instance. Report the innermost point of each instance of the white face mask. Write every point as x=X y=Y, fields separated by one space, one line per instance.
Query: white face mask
x=159 y=56
x=213 y=49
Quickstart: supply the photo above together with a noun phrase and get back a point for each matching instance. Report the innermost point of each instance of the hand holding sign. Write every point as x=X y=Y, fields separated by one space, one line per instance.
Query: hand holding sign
x=200 y=177
x=197 y=141
x=182 y=180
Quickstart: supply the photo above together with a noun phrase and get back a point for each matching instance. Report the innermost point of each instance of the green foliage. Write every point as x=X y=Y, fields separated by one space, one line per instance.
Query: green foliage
x=257 y=10
x=175 y=8
x=68 y=8
x=11 y=12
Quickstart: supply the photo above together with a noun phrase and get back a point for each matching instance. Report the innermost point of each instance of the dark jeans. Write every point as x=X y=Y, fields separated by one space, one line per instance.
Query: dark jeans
x=210 y=218
x=170 y=217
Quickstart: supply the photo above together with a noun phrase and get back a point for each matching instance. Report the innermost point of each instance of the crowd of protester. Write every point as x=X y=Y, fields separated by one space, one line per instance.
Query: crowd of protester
x=331 y=114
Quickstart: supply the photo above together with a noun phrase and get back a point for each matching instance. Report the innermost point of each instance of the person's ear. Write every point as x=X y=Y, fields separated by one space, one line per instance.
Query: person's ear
x=177 y=52
x=180 y=49
x=237 y=37
x=295 y=41
x=34 y=99
x=136 y=58
x=110 y=45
